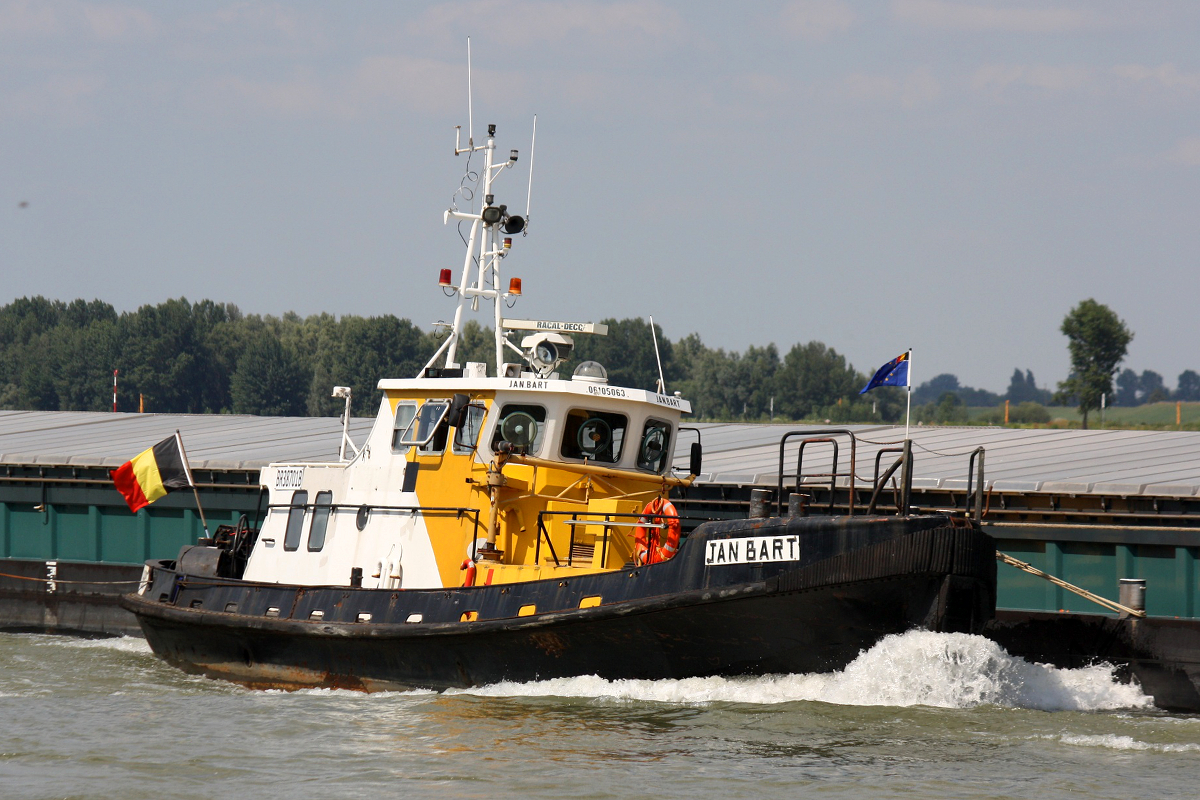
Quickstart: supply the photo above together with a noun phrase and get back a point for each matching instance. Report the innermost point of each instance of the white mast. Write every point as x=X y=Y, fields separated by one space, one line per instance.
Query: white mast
x=486 y=246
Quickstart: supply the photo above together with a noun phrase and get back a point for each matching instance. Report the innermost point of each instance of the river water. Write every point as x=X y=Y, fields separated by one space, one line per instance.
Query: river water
x=918 y=716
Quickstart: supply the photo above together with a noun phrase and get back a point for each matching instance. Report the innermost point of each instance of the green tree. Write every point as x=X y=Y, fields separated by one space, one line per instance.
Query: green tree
x=1029 y=413
x=931 y=390
x=1151 y=388
x=1097 y=341
x=707 y=379
x=358 y=352
x=269 y=380
x=83 y=362
x=1188 y=386
x=813 y=377
x=166 y=356
x=1127 y=389
x=948 y=410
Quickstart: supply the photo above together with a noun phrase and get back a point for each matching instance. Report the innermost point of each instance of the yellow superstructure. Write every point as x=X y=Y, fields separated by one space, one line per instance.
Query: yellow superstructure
x=521 y=516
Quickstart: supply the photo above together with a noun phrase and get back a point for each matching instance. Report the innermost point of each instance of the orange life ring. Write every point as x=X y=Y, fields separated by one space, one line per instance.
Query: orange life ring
x=469 y=578
x=650 y=547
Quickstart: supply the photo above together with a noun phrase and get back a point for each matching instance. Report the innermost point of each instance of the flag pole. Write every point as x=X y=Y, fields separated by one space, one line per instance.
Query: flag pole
x=191 y=482
x=908 y=412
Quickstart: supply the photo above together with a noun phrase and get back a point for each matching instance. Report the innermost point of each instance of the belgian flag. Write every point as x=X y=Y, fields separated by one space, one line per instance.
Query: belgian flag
x=153 y=473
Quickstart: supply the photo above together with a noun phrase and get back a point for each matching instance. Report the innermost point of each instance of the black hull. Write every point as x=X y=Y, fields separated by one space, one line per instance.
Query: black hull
x=64 y=597
x=1162 y=655
x=859 y=581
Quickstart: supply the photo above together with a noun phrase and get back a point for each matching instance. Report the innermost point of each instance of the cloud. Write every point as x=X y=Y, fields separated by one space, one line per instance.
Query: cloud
x=245 y=19
x=1186 y=152
x=963 y=16
x=371 y=84
x=525 y=22
x=117 y=23
x=817 y=20
x=23 y=18
x=65 y=98
x=1050 y=78
x=918 y=88
x=1166 y=76
x=108 y=22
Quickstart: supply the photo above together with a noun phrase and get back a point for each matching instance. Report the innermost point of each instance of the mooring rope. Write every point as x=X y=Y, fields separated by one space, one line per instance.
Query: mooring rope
x=1070 y=587
x=60 y=580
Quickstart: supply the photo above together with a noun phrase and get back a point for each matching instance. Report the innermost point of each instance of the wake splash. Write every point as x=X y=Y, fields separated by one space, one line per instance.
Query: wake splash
x=918 y=668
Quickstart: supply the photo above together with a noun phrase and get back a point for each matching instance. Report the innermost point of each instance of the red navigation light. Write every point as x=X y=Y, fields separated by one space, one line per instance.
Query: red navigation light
x=507 y=242
x=514 y=286
x=445 y=278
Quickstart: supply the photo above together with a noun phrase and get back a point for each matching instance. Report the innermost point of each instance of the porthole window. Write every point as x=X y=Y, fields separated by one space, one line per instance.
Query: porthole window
x=594 y=435
x=653 y=453
x=520 y=425
x=320 y=520
x=295 y=523
x=360 y=519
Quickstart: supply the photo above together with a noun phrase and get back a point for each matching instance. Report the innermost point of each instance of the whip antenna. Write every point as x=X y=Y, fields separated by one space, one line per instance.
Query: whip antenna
x=470 y=115
x=662 y=384
x=529 y=195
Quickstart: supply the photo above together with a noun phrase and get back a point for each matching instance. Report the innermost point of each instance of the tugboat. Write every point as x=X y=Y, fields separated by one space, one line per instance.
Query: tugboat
x=517 y=524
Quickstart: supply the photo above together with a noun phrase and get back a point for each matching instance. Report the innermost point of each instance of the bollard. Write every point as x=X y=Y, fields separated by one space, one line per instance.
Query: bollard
x=356 y=577
x=759 y=500
x=1132 y=593
x=798 y=505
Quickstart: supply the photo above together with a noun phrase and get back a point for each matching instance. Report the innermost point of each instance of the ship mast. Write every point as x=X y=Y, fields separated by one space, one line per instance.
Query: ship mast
x=486 y=249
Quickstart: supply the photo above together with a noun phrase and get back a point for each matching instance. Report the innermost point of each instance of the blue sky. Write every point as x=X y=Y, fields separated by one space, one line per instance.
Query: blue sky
x=948 y=176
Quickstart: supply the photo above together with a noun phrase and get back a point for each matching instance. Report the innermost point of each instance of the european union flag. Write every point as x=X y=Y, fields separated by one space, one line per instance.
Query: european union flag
x=893 y=373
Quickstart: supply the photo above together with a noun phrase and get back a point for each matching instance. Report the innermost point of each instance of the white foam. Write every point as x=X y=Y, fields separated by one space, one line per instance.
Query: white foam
x=124 y=644
x=1115 y=742
x=945 y=670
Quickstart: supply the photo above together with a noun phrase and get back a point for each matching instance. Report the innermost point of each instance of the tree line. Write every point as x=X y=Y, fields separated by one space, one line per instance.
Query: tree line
x=207 y=357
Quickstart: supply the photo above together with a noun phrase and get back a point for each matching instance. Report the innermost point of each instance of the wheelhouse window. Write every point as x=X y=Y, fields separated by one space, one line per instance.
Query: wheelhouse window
x=320 y=520
x=466 y=435
x=520 y=425
x=428 y=429
x=594 y=435
x=405 y=411
x=295 y=522
x=654 y=452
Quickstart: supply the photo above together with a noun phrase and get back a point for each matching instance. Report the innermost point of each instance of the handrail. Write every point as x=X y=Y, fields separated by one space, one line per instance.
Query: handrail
x=608 y=520
x=606 y=472
x=833 y=476
x=978 y=451
x=880 y=483
x=460 y=510
x=876 y=480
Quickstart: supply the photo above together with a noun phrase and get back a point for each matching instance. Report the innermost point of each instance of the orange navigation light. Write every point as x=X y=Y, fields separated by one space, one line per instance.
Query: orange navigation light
x=445 y=278
x=514 y=286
